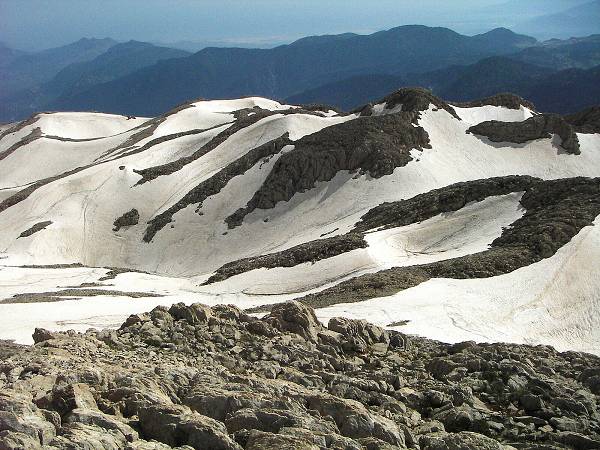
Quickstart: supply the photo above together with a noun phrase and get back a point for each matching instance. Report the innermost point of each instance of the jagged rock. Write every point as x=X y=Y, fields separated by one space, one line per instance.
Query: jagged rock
x=361 y=329
x=506 y=100
x=11 y=440
x=593 y=383
x=375 y=145
x=536 y=127
x=193 y=314
x=66 y=397
x=153 y=445
x=78 y=436
x=458 y=419
x=258 y=440
x=416 y=100
x=460 y=441
x=354 y=420
x=295 y=386
x=295 y=317
x=41 y=335
x=579 y=441
x=531 y=402
x=101 y=420
x=175 y=425
x=440 y=367
x=586 y=121
x=19 y=415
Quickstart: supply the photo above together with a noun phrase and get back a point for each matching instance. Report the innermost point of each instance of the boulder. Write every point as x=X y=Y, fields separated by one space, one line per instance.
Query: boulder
x=175 y=425
x=460 y=441
x=11 y=440
x=258 y=440
x=194 y=314
x=67 y=397
x=295 y=317
x=41 y=335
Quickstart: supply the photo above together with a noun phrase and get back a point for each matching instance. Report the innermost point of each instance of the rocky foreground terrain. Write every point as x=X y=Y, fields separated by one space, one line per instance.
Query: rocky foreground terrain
x=216 y=378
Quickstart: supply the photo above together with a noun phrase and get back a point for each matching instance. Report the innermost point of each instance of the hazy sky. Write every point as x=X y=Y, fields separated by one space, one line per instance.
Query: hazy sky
x=35 y=24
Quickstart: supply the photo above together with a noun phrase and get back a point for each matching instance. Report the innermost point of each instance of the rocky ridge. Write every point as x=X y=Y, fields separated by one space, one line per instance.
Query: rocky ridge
x=537 y=127
x=194 y=377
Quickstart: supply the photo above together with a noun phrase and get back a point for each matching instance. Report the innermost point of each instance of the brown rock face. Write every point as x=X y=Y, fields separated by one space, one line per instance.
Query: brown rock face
x=295 y=317
x=217 y=378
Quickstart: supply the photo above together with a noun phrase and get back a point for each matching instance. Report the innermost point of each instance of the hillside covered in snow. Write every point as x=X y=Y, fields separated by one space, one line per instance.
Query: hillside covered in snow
x=474 y=221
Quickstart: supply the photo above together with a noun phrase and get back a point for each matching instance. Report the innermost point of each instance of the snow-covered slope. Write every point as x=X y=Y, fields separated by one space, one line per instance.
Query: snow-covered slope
x=253 y=202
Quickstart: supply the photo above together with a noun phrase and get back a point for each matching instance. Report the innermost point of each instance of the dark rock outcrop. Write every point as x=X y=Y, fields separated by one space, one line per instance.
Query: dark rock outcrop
x=412 y=99
x=35 y=228
x=505 y=100
x=131 y=217
x=437 y=201
x=214 y=184
x=586 y=121
x=556 y=211
x=307 y=252
x=541 y=126
x=371 y=145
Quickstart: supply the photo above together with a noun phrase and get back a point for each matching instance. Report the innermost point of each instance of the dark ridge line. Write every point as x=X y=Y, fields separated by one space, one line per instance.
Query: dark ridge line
x=541 y=126
x=504 y=99
x=557 y=210
x=74 y=293
x=306 y=252
x=243 y=119
x=216 y=183
x=168 y=137
x=146 y=129
x=387 y=215
x=35 y=228
x=26 y=192
x=65 y=139
x=110 y=275
x=372 y=144
x=51 y=266
x=34 y=135
x=20 y=125
x=23 y=194
x=437 y=201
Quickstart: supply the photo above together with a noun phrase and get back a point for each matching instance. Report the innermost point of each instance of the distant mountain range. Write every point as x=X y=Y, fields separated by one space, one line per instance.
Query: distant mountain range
x=559 y=76
x=345 y=70
x=89 y=69
x=278 y=72
x=25 y=70
x=576 y=21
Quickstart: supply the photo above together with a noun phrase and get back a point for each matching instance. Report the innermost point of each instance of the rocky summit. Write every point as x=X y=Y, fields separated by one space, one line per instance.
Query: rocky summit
x=195 y=377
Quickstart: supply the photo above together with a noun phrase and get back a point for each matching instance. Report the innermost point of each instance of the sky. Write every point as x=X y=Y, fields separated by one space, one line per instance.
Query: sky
x=38 y=24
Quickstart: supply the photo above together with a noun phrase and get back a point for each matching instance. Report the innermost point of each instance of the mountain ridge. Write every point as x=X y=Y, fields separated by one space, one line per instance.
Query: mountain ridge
x=389 y=51
x=392 y=208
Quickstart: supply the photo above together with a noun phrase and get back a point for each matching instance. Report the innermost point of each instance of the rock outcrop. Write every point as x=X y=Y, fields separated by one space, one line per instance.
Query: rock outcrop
x=370 y=145
x=541 y=126
x=194 y=377
x=586 y=121
x=505 y=100
x=131 y=217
